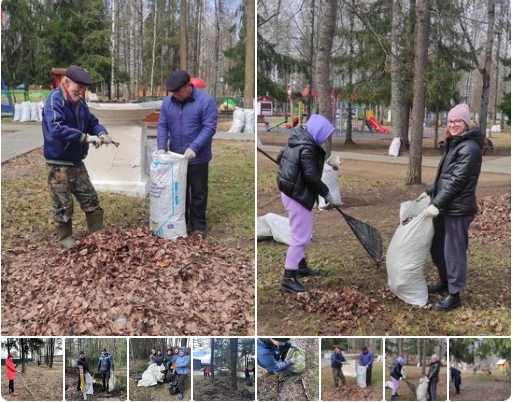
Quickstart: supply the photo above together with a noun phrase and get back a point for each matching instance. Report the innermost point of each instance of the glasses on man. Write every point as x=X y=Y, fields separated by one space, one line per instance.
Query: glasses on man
x=454 y=122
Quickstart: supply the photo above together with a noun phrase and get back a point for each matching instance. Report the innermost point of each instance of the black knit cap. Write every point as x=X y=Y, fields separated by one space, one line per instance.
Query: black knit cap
x=104 y=350
x=79 y=75
x=281 y=339
x=81 y=353
x=178 y=80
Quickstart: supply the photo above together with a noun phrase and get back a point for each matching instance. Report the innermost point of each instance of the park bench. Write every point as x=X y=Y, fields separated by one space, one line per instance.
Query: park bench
x=488 y=145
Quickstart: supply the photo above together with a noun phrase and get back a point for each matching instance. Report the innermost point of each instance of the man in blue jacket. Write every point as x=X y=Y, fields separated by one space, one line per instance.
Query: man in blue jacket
x=272 y=355
x=187 y=123
x=68 y=129
x=366 y=359
x=105 y=365
x=337 y=359
x=182 y=368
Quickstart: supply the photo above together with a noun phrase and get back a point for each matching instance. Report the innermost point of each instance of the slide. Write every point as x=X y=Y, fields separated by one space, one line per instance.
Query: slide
x=379 y=128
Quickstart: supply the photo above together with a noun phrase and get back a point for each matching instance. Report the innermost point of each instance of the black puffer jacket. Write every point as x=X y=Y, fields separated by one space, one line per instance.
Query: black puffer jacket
x=434 y=370
x=454 y=189
x=301 y=163
x=395 y=370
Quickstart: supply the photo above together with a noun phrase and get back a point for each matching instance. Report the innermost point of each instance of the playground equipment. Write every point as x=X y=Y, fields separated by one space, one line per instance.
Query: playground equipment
x=369 y=115
x=7 y=105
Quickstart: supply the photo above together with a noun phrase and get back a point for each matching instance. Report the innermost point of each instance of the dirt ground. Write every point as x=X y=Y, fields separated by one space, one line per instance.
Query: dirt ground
x=372 y=192
x=413 y=375
x=296 y=387
x=220 y=388
x=72 y=394
x=351 y=391
x=36 y=384
x=481 y=387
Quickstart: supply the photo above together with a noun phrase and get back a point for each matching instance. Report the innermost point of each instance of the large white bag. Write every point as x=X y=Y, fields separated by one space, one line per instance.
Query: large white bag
x=89 y=381
x=151 y=376
x=238 y=120
x=273 y=226
x=395 y=147
x=168 y=177
x=249 y=120
x=422 y=389
x=408 y=252
x=361 y=376
x=330 y=176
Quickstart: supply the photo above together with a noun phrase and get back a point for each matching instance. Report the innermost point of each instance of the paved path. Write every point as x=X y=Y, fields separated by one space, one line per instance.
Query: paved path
x=18 y=139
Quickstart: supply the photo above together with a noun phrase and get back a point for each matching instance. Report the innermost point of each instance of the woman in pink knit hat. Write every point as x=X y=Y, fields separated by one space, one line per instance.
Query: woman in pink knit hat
x=454 y=205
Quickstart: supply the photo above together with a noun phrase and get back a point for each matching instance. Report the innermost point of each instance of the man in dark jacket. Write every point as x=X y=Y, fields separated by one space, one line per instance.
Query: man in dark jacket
x=396 y=375
x=272 y=355
x=68 y=129
x=299 y=180
x=456 y=377
x=105 y=365
x=337 y=360
x=434 y=371
x=187 y=123
x=81 y=361
x=453 y=205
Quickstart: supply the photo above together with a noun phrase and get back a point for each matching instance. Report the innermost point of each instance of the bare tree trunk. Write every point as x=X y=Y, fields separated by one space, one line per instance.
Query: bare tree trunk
x=233 y=361
x=424 y=341
x=396 y=72
x=414 y=175
x=485 y=71
x=183 y=35
x=249 y=73
x=323 y=63
x=212 y=358
x=155 y=12
x=112 y=93
x=311 y=61
x=349 y=124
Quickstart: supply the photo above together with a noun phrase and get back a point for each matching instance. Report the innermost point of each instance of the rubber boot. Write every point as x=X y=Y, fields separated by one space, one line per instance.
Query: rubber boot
x=94 y=220
x=181 y=396
x=65 y=234
x=439 y=287
x=451 y=301
x=290 y=284
x=305 y=270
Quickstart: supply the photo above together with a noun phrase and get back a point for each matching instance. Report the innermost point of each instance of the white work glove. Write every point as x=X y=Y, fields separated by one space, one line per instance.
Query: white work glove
x=432 y=211
x=189 y=154
x=106 y=139
x=292 y=360
x=161 y=151
x=422 y=196
x=93 y=139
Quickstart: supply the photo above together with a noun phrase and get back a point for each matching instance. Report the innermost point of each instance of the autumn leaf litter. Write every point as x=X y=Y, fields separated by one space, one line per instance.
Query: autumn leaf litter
x=129 y=282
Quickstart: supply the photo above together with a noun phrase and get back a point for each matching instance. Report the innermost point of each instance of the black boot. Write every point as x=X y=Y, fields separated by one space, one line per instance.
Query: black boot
x=304 y=270
x=440 y=287
x=394 y=398
x=451 y=301
x=290 y=284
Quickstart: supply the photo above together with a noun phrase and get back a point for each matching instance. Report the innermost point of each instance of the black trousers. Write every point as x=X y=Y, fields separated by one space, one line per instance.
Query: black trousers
x=181 y=379
x=368 y=376
x=197 y=195
x=11 y=385
x=105 y=379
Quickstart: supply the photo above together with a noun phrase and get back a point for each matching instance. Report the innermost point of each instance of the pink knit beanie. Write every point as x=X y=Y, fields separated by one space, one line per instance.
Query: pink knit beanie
x=460 y=111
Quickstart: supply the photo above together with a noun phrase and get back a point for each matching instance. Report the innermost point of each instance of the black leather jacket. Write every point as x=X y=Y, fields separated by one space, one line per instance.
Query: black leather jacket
x=301 y=163
x=434 y=370
x=454 y=189
x=395 y=370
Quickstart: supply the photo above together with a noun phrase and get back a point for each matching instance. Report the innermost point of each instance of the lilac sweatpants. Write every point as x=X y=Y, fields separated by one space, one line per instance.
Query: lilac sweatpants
x=301 y=229
x=395 y=385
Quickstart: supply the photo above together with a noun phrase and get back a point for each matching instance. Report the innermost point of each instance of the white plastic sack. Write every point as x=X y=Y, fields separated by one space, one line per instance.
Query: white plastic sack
x=168 y=179
x=403 y=374
x=330 y=177
x=113 y=381
x=422 y=389
x=389 y=384
x=238 y=121
x=408 y=252
x=249 y=120
x=34 y=111
x=25 y=112
x=395 y=147
x=361 y=376
x=273 y=226
x=17 y=112
x=151 y=376
x=89 y=381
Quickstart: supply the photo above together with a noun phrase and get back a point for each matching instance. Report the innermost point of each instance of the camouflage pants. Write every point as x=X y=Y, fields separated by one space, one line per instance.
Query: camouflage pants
x=65 y=181
x=337 y=373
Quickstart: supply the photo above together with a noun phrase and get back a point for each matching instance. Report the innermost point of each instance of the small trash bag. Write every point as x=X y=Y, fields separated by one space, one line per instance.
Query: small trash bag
x=173 y=385
x=249 y=382
x=299 y=366
x=113 y=382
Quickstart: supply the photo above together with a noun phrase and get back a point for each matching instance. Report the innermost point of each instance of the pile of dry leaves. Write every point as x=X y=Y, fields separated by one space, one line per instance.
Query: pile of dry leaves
x=344 y=306
x=353 y=393
x=220 y=389
x=129 y=282
x=493 y=217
